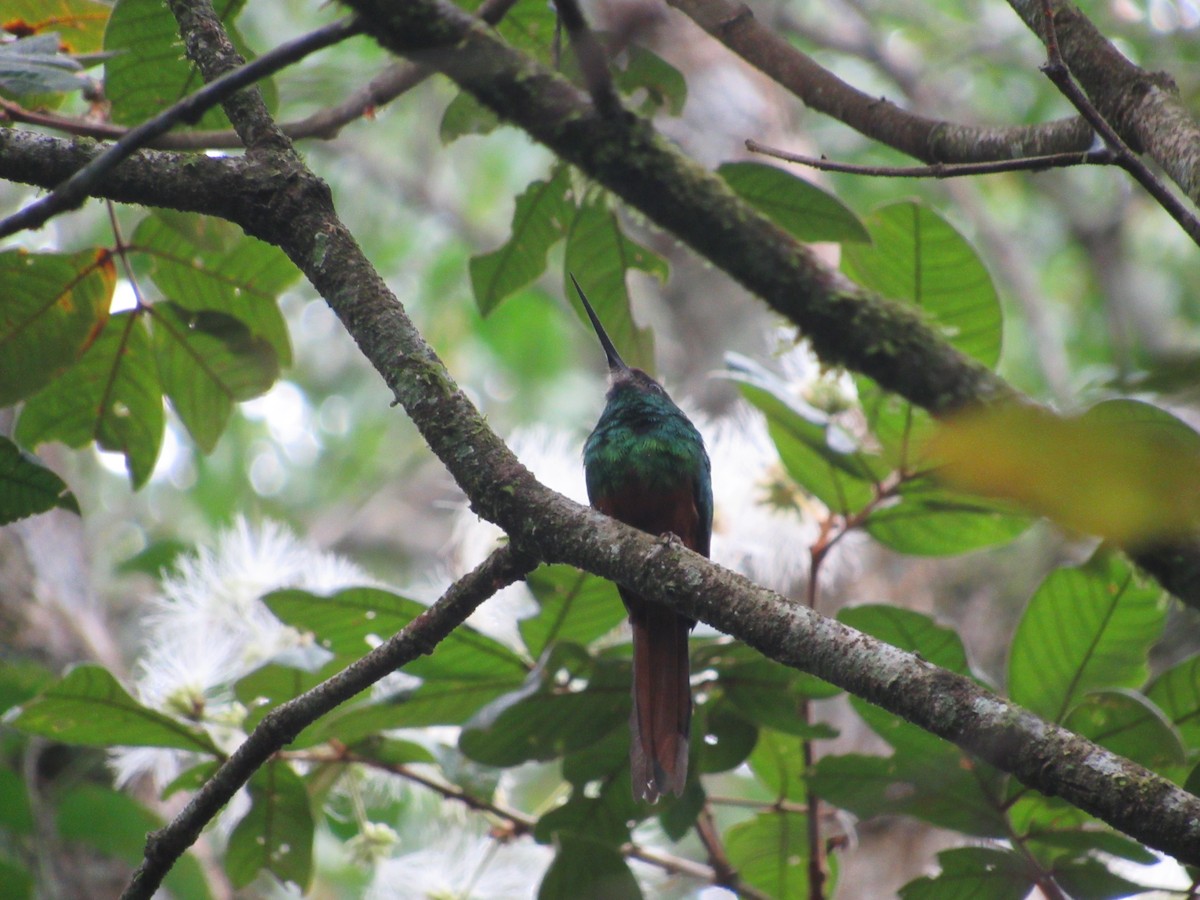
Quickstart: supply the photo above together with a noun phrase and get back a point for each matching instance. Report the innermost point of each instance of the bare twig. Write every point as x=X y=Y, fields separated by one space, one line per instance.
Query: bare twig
x=1059 y=73
x=592 y=60
x=75 y=189
x=1096 y=156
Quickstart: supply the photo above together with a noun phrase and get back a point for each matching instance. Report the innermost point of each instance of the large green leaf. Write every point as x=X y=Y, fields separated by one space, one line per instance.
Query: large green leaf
x=111 y=396
x=351 y=621
x=1177 y=693
x=778 y=762
x=901 y=428
x=148 y=72
x=600 y=255
x=208 y=361
x=276 y=835
x=89 y=707
x=586 y=869
x=116 y=824
x=912 y=631
x=763 y=691
x=818 y=455
x=465 y=115
x=539 y=220
x=980 y=873
x=574 y=606
x=915 y=255
x=770 y=852
x=796 y=205
x=924 y=519
x=1128 y=724
x=433 y=703
x=206 y=265
x=1087 y=628
x=27 y=487
x=550 y=722
x=54 y=306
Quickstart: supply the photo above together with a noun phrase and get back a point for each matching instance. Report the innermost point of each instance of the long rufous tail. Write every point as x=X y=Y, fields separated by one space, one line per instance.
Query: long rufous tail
x=662 y=701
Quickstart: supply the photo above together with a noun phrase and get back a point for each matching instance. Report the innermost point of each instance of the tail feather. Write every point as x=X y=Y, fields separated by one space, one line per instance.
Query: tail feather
x=662 y=700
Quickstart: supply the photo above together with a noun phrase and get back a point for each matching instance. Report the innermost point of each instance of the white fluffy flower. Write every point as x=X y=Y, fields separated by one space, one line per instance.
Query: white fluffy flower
x=209 y=627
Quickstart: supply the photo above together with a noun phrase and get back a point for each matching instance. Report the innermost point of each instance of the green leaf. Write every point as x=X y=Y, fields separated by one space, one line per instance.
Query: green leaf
x=917 y=256
x=603 y=811
x=16 y=880
x=276 y=835
x=465 y=115
x=798 y=206
x=664 y=85
x=349 y=622
x=1092 y=879
x=929 y=779
x=148 y=71
x=721 y=738
x=901 y=429
x=980 y=873
x=191 y=779
x=19 y=681
x=818 y=455
x=539 y=221
x=941 y=790
x=770 y=852
x=600 y=256
x=206 y=265
x=778 y=762
x=585 y=869
x=272 y=684
x=1128 y=724
x=550 y=722
x=116 y=824
x=27 y=487
x=16 y=815
x=1087 y=628
x=575 y=606
x=36 y=65
x=763 y=691
x=54 y=306
x=89 y=707
x=1177 y=693
x=111 y=396
x=912 y=631
x=926 y=520
x=208 y=361
x=434 y=703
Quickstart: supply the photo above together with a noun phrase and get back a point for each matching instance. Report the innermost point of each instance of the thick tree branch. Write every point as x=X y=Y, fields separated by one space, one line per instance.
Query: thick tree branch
x=929 y=140
x=281 y=725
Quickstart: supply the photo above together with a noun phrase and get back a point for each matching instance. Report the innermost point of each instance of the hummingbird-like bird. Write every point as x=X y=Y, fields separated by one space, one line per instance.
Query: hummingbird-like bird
x=646 y=466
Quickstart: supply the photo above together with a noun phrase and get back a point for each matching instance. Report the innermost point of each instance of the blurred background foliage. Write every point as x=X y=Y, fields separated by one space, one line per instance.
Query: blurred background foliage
x=1098 y=294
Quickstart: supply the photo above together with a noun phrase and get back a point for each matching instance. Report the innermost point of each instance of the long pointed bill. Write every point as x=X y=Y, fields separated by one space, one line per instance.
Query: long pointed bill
x=615 y=363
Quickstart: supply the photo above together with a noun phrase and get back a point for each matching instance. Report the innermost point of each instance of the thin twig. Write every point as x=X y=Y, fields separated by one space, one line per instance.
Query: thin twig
x=1097 y=156
x=592 y=60
x=1057 y=71
x=72 y=192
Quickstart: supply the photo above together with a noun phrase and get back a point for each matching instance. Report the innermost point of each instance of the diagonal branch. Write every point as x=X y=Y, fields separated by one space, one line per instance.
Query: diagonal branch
x=281 y=725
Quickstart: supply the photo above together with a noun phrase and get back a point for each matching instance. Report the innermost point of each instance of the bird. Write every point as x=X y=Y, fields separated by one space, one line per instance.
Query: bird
x=646 y=465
